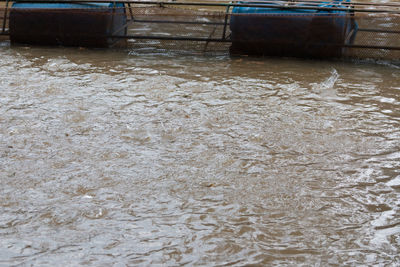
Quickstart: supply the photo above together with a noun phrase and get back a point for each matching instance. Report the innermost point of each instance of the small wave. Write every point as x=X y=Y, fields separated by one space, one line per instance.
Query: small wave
x=329 y=83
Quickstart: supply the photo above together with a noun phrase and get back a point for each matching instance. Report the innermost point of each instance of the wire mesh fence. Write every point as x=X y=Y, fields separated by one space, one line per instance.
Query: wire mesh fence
x=341 y=30
x=378 y=37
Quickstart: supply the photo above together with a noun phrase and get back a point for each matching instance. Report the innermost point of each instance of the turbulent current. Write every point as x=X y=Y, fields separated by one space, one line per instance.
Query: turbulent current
x=109 y=158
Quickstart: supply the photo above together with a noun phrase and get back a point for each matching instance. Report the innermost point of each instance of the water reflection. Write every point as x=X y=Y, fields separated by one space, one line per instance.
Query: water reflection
x=107 y=157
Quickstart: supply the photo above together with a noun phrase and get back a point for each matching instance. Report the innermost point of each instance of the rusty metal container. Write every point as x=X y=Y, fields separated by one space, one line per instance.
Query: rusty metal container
x=67 y=24
x=299 y=31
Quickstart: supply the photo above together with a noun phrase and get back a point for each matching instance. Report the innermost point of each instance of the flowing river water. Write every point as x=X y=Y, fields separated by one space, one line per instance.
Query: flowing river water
x=110 y=158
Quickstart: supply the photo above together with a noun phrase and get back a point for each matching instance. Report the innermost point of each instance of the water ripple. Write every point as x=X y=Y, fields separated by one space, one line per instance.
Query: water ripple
x=107 y=157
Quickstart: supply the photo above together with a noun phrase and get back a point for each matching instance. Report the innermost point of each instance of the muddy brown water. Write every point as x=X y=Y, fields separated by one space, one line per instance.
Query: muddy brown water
x=110 y=158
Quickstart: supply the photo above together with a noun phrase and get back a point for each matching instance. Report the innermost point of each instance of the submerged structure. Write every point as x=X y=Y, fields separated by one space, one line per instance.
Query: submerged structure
x=309 y=28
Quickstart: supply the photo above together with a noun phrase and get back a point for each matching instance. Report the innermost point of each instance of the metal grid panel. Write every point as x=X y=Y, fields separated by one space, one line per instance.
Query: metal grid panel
x=191 y=30
x=380 y=32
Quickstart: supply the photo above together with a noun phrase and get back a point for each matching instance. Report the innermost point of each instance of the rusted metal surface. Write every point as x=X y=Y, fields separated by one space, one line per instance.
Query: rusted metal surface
x=67 y=27
x=299 y=36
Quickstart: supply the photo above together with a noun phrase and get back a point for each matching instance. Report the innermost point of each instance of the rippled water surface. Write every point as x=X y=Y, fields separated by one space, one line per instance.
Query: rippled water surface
x=109 y=157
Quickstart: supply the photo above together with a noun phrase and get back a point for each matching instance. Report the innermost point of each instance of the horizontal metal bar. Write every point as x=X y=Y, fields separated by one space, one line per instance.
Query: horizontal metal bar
x=337 y=2
x=378 y=30
x=289 y=2
x=209 y=4
x=373 y=47
x=172 y=38
x=390 y=4
x=201 y=39
x=179 y=22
